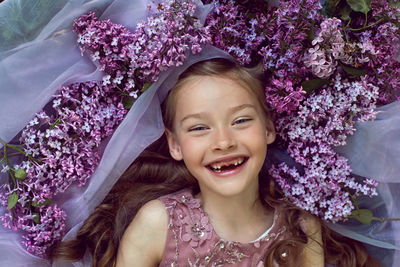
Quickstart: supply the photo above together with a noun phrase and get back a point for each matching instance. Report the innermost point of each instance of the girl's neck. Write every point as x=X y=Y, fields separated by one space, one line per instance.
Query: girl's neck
x=240 y=218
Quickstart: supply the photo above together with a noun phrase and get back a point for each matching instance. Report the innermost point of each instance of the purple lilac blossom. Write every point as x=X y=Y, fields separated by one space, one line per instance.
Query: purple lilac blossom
x=383 y=67
x=61 y=150
x=132 y=59
x=287 y=37
x=322 y=122
x=233 y=32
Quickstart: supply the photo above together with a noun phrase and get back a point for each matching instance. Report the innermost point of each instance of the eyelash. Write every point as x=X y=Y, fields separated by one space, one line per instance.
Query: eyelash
x=197 y=128
x=201 y=128
x=242 y=120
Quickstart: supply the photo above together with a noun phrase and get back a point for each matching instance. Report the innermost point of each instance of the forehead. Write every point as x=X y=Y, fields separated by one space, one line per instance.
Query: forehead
x=204 y=92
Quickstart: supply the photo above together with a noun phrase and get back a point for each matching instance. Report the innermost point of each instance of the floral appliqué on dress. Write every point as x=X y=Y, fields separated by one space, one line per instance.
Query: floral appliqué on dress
x=192 y=241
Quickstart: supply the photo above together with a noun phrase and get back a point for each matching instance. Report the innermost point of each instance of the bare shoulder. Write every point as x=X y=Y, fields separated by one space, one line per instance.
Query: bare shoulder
x=153 y=213
x=144 y=240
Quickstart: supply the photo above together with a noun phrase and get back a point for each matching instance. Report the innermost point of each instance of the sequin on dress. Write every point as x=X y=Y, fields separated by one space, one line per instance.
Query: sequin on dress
x=192 y=241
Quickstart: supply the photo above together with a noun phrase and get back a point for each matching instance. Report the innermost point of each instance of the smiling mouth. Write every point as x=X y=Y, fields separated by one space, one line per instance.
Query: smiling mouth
x=224 y=166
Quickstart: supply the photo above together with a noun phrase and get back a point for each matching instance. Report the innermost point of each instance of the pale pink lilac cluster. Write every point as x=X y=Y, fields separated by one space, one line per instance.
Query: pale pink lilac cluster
x=61 y=150
x=323 y=122
x=130 y=60
x=327 y=48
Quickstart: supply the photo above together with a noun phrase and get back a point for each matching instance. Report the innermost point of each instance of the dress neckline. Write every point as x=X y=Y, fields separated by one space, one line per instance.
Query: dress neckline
x=263 y=237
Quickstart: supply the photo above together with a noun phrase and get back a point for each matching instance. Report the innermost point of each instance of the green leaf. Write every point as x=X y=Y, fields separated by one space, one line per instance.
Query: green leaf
x=20 y=174
x=12 y=200
x=45 y=202
x=353 y=71
x=345 y=13
x=313 y=84
x=392 y=3
x=362 y=6
x=36 y=217
x=127 y=102
x=145 y=87
x=364 y=216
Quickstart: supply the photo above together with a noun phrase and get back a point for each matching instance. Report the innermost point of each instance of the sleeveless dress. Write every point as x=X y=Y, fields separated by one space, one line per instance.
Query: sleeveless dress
x=192 y=241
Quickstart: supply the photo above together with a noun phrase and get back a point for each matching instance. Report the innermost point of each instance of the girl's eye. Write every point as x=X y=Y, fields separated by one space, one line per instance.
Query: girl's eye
x=241 y=120
x=197 y=128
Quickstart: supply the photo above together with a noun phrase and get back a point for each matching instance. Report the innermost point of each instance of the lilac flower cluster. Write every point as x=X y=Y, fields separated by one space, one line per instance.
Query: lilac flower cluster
x=233 y=32
x=42 y=226
x=381 y=38
x=283 y=95
x=287 y=37
x=60 y=150
x=130 y=60
x=322 y=122
x=328 y=48
x=384 y=65
x=311 y=125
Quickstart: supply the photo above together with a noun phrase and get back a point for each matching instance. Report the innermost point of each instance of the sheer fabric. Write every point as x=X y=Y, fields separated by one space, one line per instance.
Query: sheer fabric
x=38 y=54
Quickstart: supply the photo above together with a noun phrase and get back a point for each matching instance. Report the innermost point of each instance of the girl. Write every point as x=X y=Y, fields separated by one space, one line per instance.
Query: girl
x=201 y=195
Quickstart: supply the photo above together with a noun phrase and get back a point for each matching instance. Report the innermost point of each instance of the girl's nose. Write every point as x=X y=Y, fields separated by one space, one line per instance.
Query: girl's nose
x=223 y=140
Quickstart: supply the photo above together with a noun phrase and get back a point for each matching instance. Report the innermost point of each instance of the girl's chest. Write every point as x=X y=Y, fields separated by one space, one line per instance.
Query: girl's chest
x=192 y=241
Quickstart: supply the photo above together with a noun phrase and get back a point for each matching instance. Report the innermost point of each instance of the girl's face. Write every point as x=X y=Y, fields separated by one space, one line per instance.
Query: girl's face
x=220 y=133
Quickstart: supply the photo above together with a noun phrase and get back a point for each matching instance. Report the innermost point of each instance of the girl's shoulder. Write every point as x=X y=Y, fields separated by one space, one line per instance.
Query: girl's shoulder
x=144 y=240
x=153 y=213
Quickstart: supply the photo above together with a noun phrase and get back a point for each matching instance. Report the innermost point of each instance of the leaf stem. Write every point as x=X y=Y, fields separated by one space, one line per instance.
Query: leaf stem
x=352 y=199
x=366 y=20
x=54 y=124
x=3 y=142
x=365 y=26
x=17 y=149
x=381 y=219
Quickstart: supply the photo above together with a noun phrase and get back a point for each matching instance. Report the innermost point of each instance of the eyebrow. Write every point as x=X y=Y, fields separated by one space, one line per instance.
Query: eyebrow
x=233 y=110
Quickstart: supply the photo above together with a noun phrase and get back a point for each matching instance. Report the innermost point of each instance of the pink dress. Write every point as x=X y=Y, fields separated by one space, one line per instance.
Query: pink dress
x=192 y=241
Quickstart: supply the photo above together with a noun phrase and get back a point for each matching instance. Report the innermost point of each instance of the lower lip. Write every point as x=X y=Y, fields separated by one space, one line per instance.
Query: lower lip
x=229 y=173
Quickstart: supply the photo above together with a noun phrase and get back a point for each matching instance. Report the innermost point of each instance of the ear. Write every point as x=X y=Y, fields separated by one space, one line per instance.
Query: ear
x=270 y=132
x=174 y=147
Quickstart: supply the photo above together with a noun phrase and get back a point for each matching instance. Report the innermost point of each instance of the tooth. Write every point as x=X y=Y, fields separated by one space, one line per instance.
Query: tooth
x=216 y=167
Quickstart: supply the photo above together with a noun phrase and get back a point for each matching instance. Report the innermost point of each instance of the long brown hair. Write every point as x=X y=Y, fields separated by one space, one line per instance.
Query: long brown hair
x=154 y=174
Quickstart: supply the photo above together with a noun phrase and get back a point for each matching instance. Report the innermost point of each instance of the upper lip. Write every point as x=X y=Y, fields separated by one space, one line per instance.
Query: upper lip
x=226 y=159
